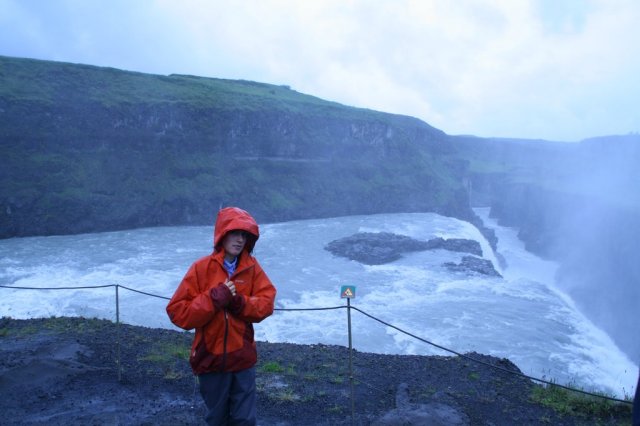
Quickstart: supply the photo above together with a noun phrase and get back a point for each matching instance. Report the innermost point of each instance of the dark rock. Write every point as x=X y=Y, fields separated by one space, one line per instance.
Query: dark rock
x=456 y=244
x=432 y=413
x=472 y=264
x=373 y=248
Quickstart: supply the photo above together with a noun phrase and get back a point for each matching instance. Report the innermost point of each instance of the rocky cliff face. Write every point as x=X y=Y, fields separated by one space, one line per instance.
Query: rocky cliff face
x=90 y=149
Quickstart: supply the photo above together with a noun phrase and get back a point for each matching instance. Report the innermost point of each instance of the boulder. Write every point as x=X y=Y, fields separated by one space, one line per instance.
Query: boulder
x=471 y=265
x=377 y=248
x=456 y=244
x=433 y=413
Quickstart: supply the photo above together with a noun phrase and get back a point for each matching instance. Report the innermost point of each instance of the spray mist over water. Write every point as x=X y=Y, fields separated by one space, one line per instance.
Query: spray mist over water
x=599 y=235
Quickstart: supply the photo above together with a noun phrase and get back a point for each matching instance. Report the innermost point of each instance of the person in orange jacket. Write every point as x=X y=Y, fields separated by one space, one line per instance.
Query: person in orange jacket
x=221 y=296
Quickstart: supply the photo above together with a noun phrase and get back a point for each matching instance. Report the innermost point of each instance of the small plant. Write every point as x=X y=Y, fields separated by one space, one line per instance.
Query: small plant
x=311 y=377
x=171 y=374
x=429 y=392
x=286 y=395
x=335 y=409
x=271 y=367
x=566 y=402
x=291 y=370
x=338 y=380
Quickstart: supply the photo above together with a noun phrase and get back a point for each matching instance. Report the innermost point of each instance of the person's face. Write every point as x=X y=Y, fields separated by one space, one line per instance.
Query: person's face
x=233 y=243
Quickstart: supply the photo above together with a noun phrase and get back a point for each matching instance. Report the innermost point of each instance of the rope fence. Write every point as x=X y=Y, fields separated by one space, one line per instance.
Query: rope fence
x=349 y=307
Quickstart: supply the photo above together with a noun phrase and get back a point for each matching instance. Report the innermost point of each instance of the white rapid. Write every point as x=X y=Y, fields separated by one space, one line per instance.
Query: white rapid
x=521 y=316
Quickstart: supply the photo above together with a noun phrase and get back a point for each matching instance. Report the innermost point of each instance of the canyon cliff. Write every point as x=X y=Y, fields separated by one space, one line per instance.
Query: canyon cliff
x=577 y=204
x=90 y=149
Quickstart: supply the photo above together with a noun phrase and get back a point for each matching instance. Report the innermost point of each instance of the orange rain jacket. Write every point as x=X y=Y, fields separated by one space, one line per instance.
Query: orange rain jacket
x=223 y=339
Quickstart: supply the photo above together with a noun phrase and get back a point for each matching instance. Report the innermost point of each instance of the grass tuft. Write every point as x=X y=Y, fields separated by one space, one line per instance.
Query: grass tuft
x=167 y=352
x=271 y=367
x=570 y=403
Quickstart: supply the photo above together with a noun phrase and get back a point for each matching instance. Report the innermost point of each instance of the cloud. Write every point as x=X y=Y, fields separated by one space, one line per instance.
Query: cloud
x=519 y=68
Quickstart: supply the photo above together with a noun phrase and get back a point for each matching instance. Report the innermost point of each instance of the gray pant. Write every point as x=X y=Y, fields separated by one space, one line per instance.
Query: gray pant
x=230 y=397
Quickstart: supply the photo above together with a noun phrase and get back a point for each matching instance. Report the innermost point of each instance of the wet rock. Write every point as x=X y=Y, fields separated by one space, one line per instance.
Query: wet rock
x=430 y=390
x=432 y=413
x=472 y=264
x=456 y=244
x=377 y=248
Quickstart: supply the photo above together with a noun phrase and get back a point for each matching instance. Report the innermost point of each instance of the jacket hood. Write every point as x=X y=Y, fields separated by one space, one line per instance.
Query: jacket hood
x=231 y=218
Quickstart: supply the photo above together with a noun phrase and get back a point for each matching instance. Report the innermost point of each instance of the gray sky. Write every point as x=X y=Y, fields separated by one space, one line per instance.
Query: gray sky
x=551 y=69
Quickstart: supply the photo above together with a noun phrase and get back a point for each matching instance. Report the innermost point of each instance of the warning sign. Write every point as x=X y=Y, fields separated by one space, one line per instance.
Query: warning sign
x=348 y=292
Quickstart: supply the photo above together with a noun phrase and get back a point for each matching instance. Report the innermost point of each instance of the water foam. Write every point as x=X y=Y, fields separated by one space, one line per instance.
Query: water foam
x=522 y=317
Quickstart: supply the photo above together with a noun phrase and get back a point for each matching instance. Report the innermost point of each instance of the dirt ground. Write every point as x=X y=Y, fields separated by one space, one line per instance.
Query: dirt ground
x=63 y=371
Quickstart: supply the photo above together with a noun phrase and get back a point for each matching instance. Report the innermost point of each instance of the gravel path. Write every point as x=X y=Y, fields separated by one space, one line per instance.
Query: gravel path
x=63 y=371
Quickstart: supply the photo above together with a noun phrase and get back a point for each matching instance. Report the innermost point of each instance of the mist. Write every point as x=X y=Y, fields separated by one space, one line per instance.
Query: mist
x=579 y=204
x=600 y=238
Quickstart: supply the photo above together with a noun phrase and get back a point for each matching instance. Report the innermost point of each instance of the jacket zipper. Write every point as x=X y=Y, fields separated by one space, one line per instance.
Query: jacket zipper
x=224 y=342
x=226 y=335
x=226 y=330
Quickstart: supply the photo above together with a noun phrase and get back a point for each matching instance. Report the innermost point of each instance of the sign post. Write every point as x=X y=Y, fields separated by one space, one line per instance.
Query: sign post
x=118 y=334
x=349 y=292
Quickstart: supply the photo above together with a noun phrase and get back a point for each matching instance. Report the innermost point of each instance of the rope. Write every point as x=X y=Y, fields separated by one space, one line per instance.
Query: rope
x=310 y=309
x=487 y=364
x=496 y=367
x=58 y=288
x=145 y=293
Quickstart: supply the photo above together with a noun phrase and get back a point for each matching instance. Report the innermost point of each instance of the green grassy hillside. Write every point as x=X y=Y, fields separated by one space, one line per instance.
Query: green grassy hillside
x=88 y=148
